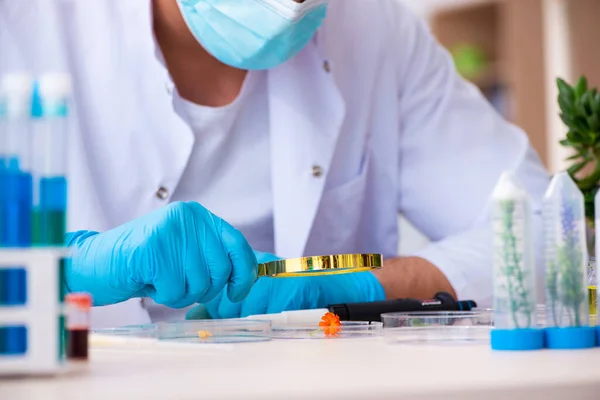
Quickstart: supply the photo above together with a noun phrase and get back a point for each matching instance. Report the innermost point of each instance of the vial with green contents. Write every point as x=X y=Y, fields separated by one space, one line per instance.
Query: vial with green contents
x=515 y=319
x=514 y=267
x=566 y=259
x=49 y=216
x=566 y=254
x=51 y=97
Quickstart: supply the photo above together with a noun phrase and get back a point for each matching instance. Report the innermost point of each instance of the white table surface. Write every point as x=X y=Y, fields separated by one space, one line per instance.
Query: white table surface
x=323 y=369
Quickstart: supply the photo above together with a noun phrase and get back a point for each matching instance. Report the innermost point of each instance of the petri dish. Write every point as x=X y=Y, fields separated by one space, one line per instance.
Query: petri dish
x=439 y=327
x=347 y=330
x=214 y=331
x=141 y=331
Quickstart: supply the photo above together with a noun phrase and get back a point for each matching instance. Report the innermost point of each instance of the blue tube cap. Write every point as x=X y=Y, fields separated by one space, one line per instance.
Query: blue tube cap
x=517 y=339
x=571 y=338
x=598 y=336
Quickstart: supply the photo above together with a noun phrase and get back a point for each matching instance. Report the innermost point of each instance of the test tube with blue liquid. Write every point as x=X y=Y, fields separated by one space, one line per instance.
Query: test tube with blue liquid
x=15 y=198
x=566 y=259
x=17 y=178
x=515 y=319
x=50 y=112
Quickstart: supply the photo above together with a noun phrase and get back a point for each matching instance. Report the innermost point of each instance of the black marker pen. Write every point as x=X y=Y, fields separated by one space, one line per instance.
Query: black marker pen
x=372 y=311
x=368 y=312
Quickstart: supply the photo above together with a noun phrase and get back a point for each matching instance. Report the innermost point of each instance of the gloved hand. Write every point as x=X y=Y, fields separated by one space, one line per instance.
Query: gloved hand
x=274 y=295
x=178 y=255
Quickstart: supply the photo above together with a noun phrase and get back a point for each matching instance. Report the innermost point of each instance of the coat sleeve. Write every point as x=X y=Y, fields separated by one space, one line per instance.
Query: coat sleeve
x=453 y=147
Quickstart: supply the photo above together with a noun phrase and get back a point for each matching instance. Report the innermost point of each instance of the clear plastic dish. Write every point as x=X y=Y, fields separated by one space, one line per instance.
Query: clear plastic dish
x=215 y=331
x=444 y=327
x=346 y=330
x=141 y=331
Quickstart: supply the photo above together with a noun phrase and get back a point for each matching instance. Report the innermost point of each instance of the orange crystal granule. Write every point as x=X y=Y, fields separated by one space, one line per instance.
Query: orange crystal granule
x=204 y=334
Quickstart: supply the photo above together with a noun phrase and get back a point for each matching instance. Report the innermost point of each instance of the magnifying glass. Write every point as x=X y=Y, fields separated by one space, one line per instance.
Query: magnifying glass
x=321 y=265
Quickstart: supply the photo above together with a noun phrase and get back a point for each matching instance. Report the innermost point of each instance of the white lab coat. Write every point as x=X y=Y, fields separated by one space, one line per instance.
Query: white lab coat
x=373 y=101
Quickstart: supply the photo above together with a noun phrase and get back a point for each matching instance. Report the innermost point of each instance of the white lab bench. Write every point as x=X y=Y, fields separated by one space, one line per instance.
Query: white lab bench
x=323 y=369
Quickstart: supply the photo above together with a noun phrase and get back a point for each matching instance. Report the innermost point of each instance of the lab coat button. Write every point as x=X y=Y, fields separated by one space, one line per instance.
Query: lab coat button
x=317 y=171
x=169 y=87
x=326 y=66
x=162 y=193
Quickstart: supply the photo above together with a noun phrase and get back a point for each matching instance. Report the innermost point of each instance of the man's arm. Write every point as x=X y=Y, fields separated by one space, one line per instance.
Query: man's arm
x=453 y=147
x=412 y=277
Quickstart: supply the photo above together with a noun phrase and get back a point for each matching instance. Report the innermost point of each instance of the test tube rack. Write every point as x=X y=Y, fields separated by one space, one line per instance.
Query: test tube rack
x=33 y=198
x=32 y=324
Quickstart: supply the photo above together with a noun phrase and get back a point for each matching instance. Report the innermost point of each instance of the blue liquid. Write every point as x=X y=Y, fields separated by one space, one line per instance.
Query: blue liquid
x=16 y=202
x=13 y=340
x=15 y=209
x=53 y=194
x=13 y=287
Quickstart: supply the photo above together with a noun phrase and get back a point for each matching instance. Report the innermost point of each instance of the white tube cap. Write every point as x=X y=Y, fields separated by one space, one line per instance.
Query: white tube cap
x=16 y=84
x=17 y=90
x=55 y=85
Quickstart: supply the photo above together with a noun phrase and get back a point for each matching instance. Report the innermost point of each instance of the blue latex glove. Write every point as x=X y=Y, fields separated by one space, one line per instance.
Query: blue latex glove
x=178 y=255
x=274 y=295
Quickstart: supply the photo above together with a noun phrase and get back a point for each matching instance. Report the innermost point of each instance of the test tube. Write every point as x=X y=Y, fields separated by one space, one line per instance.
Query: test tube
x=566 y=259
x=515 y=319
x=15 y=198
x=596 y=287
x=3 y=123
x=78 y=325
x=15 y=212
x=51 y=112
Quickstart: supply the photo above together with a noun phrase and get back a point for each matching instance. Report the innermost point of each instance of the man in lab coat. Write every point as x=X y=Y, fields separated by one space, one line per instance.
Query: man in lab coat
x=307 y=133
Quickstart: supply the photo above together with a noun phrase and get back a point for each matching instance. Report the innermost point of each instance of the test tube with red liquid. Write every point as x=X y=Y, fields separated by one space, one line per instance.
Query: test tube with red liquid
x=78 y=325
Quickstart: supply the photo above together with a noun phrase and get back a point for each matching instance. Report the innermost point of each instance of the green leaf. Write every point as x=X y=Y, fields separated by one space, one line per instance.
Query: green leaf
x=564 y=87
x=582 y=127
x=597 y=103
x=573 y=137
x=581 y=86
x=586 y=104
x=574 y=169
x=566 y=119
x=565 y=104
x=580 y=108
x=566 y=143
x=594 y=123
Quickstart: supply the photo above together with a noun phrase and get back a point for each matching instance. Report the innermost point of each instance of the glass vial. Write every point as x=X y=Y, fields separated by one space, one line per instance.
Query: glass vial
x=78 y=325
x=566 y=257
x=514 y=264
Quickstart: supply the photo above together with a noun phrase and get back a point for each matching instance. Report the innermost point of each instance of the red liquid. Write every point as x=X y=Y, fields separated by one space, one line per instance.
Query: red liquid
x=77 y=344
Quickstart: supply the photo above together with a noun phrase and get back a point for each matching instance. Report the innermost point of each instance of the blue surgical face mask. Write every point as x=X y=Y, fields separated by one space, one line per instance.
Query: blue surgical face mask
x=253 y=34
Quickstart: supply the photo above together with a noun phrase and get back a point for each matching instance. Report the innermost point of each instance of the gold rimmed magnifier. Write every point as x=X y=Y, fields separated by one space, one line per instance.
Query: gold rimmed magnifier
x=321 y=265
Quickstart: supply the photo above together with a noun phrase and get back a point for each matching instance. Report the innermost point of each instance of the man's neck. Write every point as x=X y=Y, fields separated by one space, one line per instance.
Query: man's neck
x=198 y=76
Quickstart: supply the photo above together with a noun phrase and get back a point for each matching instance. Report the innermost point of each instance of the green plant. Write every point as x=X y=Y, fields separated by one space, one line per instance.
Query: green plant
x=518 y=292
x=580 y=111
